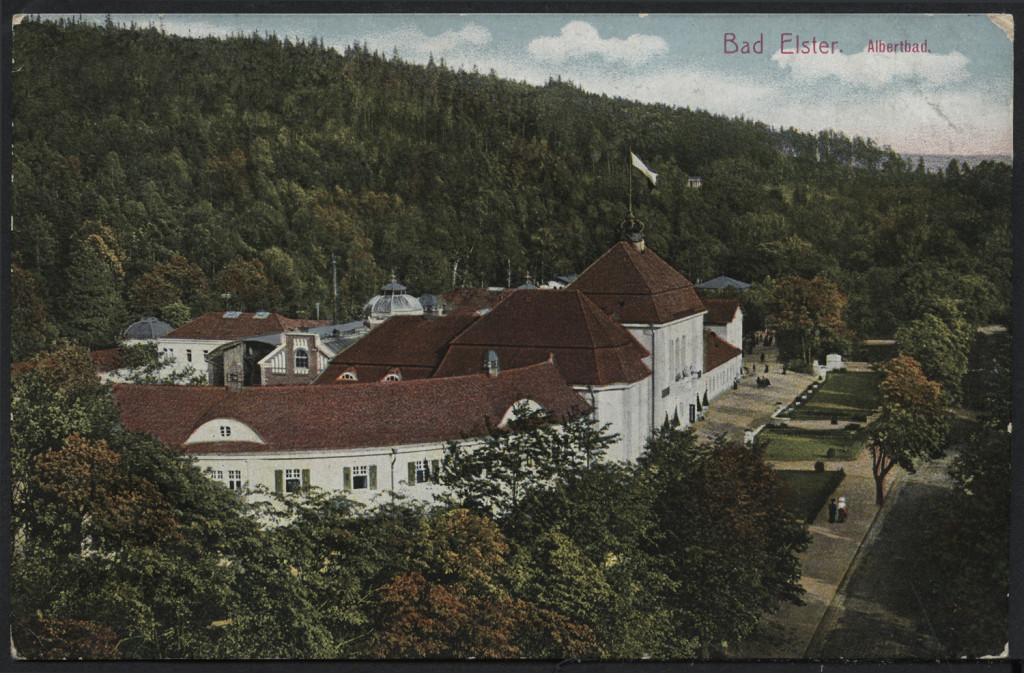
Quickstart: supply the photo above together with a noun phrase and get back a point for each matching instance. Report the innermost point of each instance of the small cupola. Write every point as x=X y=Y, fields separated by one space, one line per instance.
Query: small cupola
x=392 y=301
x=529 y=284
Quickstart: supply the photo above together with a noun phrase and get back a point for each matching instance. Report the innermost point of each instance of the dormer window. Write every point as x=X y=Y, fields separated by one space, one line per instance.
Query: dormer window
x=301 y=358
x=393 y=377
x=348 y=376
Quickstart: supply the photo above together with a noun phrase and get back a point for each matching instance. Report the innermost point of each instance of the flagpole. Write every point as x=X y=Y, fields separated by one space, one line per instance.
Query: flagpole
x=630 y=170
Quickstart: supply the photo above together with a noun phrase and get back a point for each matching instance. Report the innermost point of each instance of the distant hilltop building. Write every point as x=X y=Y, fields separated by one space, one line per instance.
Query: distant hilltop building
x=628 y=339
x=694 y=182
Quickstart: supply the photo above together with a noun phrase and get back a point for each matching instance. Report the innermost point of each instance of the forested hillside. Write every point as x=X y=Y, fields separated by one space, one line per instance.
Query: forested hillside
x=154 y=173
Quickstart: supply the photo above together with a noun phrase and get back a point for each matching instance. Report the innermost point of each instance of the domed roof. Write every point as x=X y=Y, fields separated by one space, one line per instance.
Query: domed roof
x=147 y=328
x=394 y=301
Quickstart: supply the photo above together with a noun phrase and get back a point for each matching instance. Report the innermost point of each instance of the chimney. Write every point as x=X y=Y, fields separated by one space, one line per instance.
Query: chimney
x=234 y=368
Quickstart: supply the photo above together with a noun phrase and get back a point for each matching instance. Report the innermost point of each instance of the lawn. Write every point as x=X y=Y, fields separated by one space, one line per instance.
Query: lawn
x=847 y=396
x=803 y=444
x=804 y=492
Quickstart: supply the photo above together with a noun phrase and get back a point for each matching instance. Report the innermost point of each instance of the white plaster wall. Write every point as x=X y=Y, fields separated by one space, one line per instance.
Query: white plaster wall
x=626 y=409
x=731 y=332
x=326 y=469
x=177 y=349
x=210 y=431
x=675 y=347
x=720 y=379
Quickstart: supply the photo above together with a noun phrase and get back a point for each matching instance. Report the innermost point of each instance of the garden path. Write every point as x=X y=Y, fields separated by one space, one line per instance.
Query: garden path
x=797 y=631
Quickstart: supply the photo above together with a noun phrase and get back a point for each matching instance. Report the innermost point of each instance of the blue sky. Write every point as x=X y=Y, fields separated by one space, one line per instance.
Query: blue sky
x=955 y=99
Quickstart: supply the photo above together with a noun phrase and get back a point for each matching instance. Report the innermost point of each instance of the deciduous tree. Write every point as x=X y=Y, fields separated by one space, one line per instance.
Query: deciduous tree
x=940 y=346
x=912 y=424
x=806 y=312
x=725 y=544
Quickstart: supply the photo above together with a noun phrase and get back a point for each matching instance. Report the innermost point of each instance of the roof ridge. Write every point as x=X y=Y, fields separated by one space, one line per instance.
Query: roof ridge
x=586 y=318
x=584 y=272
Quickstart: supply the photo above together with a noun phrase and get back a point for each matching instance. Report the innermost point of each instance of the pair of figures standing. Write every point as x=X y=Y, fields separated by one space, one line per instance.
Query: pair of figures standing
x=837 y=512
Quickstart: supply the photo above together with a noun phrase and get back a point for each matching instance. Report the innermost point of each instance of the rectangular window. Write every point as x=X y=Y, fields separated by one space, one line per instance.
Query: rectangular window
x=218 y=475
x=360 y=477
x=188 y=354
x=422 y=471
x=292 y=480
x=235 y=480
x=225 y=431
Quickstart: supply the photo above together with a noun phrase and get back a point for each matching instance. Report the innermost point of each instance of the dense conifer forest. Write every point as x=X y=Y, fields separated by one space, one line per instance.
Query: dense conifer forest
x=154 y=173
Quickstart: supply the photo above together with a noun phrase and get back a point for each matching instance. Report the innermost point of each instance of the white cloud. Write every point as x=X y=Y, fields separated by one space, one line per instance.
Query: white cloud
x=876 y=69
x=579 y=39
x=685 y=88
x=412 y=43
x=970 y=121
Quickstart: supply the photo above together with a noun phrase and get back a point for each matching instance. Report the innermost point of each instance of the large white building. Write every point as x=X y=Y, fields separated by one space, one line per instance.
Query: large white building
x=364 y=439
x=627 y=339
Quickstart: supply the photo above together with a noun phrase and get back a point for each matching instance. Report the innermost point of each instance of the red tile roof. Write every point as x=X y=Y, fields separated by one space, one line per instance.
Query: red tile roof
x=721 y=310
x=414 y=343
x=470 y=299
x=529 y=325
x=169 y=412
x=299 y=418
x=638 y=287
x=106 y=360
x=216 y=326
x=717 y=351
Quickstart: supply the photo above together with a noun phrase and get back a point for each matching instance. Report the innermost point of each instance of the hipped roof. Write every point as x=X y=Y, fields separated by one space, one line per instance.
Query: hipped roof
x=215 y=326
x=589 y=347
x=637 y=287
x=300 y=418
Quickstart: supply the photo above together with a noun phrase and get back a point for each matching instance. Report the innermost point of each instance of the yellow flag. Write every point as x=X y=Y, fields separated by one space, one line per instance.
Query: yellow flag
x=652 y=176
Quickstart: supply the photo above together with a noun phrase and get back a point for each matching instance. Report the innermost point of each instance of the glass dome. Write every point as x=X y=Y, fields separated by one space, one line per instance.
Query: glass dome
x=393 y=301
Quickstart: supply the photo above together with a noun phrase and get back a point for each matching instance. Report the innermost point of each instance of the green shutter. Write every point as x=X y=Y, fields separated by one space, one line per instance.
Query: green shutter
x=279 y=481
x=348 y=478
x=373 y=476
x=412 y=472
x=305 y=480
x=435 y=470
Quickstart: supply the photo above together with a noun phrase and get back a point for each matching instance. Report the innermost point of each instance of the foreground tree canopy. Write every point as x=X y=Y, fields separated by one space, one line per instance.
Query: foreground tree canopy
x=154 y=172
x=123 y=549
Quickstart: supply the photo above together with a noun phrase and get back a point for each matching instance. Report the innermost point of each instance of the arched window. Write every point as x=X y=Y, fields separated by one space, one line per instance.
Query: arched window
x=301 y=358
x=348 y=376
x=393 y=377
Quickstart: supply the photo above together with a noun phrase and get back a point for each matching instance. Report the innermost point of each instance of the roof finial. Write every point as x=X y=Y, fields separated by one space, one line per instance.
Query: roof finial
x=633 y=231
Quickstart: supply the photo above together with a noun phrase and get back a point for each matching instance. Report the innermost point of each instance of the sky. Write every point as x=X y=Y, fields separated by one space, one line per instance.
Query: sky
x=954 y=98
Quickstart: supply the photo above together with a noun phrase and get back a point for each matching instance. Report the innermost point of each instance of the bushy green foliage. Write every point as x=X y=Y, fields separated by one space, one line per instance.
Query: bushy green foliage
x=941 y=346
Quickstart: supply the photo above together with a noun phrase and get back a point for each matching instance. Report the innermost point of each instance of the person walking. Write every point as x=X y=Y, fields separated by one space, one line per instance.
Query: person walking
x=842 y=513
x=832 y=509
